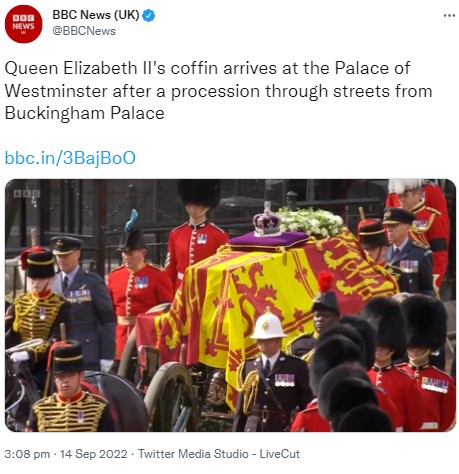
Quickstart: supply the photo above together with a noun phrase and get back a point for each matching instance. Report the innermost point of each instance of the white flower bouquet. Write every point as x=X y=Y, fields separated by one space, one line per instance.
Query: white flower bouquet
x=317 y=223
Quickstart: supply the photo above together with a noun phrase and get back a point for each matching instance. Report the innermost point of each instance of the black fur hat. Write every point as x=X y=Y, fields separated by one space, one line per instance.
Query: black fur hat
x=345 y=394
x=341 y=372
x=199 y=191
x=385 y=315
x=68 y=358
x=331 y=352
x=367 y=333
x=365 y=418
x=426 y=321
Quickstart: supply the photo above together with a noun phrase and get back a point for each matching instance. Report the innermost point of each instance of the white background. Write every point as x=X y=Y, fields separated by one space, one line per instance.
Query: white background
x=241 y=138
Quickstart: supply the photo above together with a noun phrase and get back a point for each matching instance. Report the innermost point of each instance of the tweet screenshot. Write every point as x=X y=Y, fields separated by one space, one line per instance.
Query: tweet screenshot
x=215 y=254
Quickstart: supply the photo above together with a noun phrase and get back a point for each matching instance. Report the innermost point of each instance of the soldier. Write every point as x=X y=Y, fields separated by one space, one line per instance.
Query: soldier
x=93 y=318
x=373 y=239
x=386 y=317
x=37 y=314
x=198 y=238
x=410 y=262
x=70 y=409
x=430 y=226
x=273 y=385
x=325 y=313
x=136 y=286
x=425 y=319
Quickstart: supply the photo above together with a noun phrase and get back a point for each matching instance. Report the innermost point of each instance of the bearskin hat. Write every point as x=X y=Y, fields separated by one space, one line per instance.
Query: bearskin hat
x=426 y=321
x=365 y=418
x=385 y=315
x=337 y=374
x=199 y=191
x=367 y=333
x=330 y=352
x=344 y=395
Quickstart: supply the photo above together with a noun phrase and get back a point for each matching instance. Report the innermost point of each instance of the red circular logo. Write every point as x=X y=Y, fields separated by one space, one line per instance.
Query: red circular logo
x=23 y=24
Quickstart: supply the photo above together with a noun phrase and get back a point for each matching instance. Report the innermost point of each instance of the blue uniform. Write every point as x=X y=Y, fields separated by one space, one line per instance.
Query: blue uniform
x=413 y=268
x=93 y=317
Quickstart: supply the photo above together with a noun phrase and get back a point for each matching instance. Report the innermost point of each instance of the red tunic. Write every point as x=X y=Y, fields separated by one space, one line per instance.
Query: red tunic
x=404 y=392
x=135 y=293
x=189 y=244
x=438 y=393
x=429 y=229
x=311 y=420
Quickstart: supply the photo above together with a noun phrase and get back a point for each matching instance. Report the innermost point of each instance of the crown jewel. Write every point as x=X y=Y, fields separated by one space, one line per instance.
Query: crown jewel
x=268 y=223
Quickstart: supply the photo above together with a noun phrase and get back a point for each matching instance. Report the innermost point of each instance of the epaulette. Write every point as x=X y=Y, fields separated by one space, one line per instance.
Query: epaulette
x=117 y=268
x=301 y=336
x=441 y=371
x=218 y=228
x=435 y=211
x=158 y=267
x=93 y=275
x=180 y=226
x=398 y=369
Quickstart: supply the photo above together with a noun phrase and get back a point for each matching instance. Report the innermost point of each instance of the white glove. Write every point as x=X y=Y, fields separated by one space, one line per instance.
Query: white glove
x=19 y=356
x=105 y=365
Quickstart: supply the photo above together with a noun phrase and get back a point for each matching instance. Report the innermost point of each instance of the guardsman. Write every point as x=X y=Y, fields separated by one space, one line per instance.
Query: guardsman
x=430 y=226
x=136 y=286
x=273 y=386
x=325 y=313
x=70 y=409
x=93 y=318
x=425 y=319
x=198 y=238
x=37 y=314
x=409 y=261
x=373 y=239
x=385 y=315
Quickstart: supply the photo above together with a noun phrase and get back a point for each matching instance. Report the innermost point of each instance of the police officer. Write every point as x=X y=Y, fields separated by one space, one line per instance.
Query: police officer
x=425 y=319
x=273 y=386
x=325 y=313
x=198 y=238
x=37 y=314
x=136 y=286
x=410 y=262
x=70 y=409
x=93 y=318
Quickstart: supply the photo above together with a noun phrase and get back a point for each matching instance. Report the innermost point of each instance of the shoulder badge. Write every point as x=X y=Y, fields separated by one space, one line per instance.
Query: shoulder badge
x=218 y=228
x=158 y=267
x=420 y=245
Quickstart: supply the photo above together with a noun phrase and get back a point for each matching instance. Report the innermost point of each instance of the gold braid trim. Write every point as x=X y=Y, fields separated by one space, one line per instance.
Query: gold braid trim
x=308 y=357
x=250 y=389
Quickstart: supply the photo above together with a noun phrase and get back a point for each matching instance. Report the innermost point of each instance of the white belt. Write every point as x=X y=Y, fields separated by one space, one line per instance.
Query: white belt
x=180 y=276
x=429 y=425
x=399 y=429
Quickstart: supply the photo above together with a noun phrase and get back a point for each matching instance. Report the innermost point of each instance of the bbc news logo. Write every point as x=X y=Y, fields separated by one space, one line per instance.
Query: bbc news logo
x=26 y=193
x=23 y=24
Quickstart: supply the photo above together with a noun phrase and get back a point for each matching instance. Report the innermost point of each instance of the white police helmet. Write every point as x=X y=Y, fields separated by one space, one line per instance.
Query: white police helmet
x=268 y=326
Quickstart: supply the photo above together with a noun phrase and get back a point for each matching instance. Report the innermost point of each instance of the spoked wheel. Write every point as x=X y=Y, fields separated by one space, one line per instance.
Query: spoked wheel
x=170 y=400
x=128 y=367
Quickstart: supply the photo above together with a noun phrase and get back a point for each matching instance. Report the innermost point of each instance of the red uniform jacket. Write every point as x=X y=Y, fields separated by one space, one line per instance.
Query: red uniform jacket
x=438 y=393
x=429 y=229
x=404 y=392
x=135 y=293
x=311 y=420
x=189 y=244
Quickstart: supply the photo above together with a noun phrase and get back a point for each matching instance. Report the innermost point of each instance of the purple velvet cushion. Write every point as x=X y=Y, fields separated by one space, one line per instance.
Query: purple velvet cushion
x=249 y=242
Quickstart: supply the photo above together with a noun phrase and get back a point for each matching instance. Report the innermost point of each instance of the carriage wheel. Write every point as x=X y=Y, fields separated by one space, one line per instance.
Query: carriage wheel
x=128 y=367
x=170 y=400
